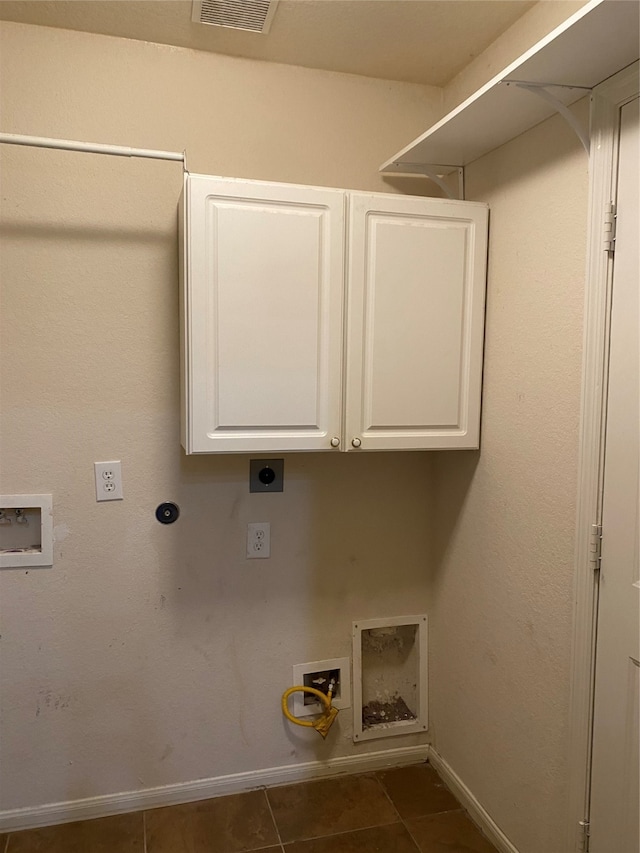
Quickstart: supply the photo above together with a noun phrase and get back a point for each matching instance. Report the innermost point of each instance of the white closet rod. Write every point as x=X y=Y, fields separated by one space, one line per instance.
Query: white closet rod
x=90 y=147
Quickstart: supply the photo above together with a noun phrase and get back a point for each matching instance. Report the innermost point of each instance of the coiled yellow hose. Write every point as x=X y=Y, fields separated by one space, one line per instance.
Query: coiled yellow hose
x=324 y=722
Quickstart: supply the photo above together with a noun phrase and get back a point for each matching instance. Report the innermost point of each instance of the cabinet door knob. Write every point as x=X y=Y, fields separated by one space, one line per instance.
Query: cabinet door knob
x=356 y=442
x=335 y=441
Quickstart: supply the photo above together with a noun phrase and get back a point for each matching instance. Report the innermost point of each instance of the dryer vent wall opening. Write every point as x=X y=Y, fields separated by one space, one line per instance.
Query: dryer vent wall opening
x=390 y=677
x=253 y=16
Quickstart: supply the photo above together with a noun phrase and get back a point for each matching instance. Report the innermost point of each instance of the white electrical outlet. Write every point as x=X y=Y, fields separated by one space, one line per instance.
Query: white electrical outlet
x=108 y=481
x=258 y=540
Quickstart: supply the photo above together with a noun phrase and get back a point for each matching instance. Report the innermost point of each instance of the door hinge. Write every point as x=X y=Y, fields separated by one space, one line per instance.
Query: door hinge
x=609 y=232
x=595 y=547
x=584 y=827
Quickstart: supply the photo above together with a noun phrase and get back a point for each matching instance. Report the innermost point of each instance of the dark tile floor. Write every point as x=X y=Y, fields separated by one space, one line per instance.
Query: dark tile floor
x=406 y=810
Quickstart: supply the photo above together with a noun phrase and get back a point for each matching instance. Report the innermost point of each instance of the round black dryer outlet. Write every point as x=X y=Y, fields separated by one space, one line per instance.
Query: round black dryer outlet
x=167 y=512
x=266 y=475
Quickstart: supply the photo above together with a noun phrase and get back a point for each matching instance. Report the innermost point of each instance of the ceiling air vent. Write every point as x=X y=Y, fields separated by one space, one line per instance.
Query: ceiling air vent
x=252 y=15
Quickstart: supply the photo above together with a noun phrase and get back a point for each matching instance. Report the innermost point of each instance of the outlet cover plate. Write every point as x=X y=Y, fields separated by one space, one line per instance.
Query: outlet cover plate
x=340 y=702
x=266 y=475
x=258 y=540
x=108 y=476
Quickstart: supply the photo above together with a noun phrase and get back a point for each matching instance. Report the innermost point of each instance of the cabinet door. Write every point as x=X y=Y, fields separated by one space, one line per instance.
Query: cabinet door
x=263 y=307
x=417 y=272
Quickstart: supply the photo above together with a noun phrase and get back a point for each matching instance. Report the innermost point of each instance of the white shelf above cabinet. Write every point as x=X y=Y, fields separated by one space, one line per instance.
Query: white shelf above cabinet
x=594 y=43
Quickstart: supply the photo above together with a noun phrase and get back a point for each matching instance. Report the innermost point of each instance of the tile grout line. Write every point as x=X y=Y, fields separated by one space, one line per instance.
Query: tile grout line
x=435 y=814
x=273 y=818
x=411 y=836
x=144 y=831
x=328 y=838
x=344 y=831
x=386 y=793
x=320 y=837
x=403 y=821
x=400 y=818
x=333 y=834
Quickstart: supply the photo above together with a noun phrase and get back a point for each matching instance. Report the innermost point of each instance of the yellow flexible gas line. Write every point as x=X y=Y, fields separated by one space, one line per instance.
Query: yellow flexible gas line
x=324 y=722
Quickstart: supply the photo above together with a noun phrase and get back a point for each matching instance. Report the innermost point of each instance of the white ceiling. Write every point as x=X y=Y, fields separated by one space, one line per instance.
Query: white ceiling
x=417 y=41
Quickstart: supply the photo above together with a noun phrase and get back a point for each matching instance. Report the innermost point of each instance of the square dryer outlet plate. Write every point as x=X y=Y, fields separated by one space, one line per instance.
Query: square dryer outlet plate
x=266 y=475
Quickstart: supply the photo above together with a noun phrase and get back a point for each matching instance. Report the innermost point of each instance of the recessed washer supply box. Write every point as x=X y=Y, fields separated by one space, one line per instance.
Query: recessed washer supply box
x=26 y=531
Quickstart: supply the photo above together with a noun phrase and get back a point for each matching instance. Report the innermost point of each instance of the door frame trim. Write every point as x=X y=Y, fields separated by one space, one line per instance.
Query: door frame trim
x=606 y=101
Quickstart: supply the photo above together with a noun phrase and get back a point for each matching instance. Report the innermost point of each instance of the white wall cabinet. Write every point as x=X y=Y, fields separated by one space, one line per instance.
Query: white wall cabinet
x=416 y=290
x=323 y=319
x=263 y=307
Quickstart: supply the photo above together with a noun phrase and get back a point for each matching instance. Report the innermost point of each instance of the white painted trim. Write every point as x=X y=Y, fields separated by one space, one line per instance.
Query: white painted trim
x=477 y=812
x=606 y=101
x=202 y=789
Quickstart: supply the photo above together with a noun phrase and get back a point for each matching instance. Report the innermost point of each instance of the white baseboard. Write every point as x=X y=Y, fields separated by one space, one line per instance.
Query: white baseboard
x=477 y=812
x=203 y=789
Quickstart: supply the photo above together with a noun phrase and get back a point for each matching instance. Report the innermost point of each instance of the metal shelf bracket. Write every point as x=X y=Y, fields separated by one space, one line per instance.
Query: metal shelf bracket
x=541 y=90
x=435 y=173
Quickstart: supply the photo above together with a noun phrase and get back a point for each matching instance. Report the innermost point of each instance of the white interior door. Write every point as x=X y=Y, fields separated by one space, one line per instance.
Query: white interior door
x=615 y=791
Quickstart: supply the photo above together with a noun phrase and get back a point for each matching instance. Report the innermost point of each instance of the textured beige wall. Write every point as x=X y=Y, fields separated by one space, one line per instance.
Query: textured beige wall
x=502 y=591
x=154 y=655
x=151 y=655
